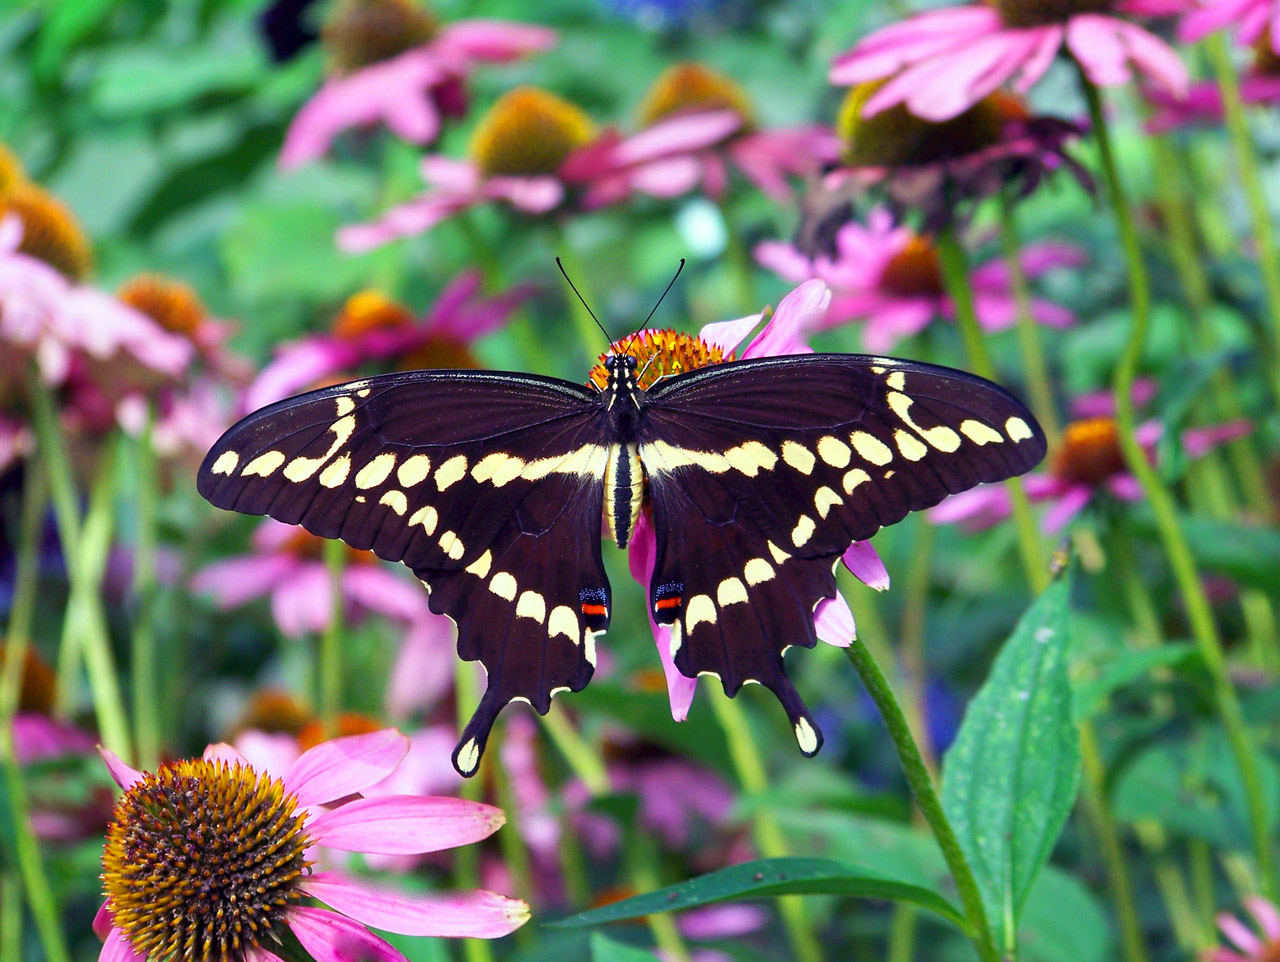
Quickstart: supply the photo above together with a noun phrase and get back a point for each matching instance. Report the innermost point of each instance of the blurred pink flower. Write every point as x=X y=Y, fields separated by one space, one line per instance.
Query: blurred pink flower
x=410 y=92
x=373 y=330
x=943 y=61
x=214 y=802
x=799 y=313
x=45 y=316
x=15 y=441
x=1253 y=21
x=287 y=564
x=521 y=154
x=1246 y=943
x=1088 y=461
x=889 y=277
x=1202 y=106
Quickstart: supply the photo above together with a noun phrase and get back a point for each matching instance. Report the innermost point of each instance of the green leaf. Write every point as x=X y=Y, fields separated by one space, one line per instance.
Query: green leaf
x=605 y=949
x=1012 y=775
x=765 y=878
x=1062 y=922
x=1245 y=553
x=1123 y=669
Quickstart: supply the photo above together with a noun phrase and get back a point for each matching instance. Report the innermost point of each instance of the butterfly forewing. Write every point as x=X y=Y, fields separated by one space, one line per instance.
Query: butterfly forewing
x=489 y=486
x=762 y=473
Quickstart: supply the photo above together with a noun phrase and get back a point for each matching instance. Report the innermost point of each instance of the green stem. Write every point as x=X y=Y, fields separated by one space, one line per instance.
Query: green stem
x=1029 y=343
x=926 y=797
x=12 y=914
x=146 y=721
x=1247 y=162
x=329 y=657
x=749 y=767
x=1181 y=562
x=466 y=865
x=514 y=853
x=911 y=648
x=31 y=865
x=955 y=271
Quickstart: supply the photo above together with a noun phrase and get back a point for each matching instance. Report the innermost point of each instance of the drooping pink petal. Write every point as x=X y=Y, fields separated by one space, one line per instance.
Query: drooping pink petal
x=102 y=921
x=423 y=670
x=116 y=948
x=1036 y=63
x=1125 y=487
x=727 y=335
x=1266 y=915
x=681 y=134
x=864 y=563
x=235 y=581
x=1155 y=58
x=222 y=752
x=382 y=590
x=668 y=177
x=833 y=621
x=259 y=954
x=1240 y=934
x=37 y=737
x=124 y=776
x=1209 y=17
x=533 y=195
x=641 y=556
x=1095 y=42
x=785 y=260
x=949 y=84
x=910 y=41
x=269 y=752
x=345 y=766
x=1200 y=441
x=414 y=217
x=493 y=41
x=1068 y=506
x=799 y=313
x=302 y=601
x=405 y=824
x=297 y=367
x=330 y=937
x=975 y=509
x=477 y=914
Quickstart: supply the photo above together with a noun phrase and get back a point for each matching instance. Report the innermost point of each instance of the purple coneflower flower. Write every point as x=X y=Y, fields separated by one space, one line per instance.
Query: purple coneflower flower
x=522 y=154
x=393 y=63
x=667 y=352
x=212 y=858
x=889 y=277
x=944 y=61
x=1246 y=944
x=1202 y=106
x=373 y=330
x=1254 y=21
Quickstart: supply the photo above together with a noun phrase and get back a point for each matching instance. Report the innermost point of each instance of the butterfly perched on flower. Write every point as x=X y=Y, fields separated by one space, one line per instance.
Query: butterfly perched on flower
x=494 y=488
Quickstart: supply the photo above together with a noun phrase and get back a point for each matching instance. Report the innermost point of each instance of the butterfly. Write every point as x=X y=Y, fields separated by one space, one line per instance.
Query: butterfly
x=495 y=488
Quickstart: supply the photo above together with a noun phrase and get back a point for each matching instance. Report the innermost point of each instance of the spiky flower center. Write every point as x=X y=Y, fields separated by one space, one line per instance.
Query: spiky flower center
x=914 y=271
x=691 y=87
x=38 y=684
x=659 y=354
x=363 y=32
x=898 y=138
x=202 y=860
x=1089 y=452
x=529 y=132
x=11 y=172
x=50 y=232
x=1040 y=13
x=170 y=303
x=366 y=311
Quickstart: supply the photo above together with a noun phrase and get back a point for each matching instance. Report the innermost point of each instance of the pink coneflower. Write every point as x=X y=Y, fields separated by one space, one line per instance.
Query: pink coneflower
x=521 y=154
x=1202 y=106
x=798 y=313
x=1088 y=462
x=287 y=564
x=1246 y=944
x=696 y=123
x=1254 y=21
x=373 y=330
x=211 y=858
x=393 y=63
x=944 y=61
x=888 y=277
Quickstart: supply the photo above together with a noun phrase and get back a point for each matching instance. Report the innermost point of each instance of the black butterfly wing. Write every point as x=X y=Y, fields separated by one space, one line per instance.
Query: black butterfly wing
x=488 y=485
x=762 y=473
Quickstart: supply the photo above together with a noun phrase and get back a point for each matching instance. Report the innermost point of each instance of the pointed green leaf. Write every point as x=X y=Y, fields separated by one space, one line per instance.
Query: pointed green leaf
x=1012 y=775
x=605 y=949
x=765 y=878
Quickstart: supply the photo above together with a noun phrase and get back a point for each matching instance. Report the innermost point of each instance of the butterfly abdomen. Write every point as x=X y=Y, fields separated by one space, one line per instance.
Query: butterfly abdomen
x=624 y=490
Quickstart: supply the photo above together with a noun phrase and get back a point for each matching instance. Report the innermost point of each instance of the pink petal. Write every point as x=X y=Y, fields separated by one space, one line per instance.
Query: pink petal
x=1095 y=42
x=405 y=825
x=345 y=766
x=269 y=752
x=864 y=563
x=117 y=949
x=910 y=41
x=669 y=177
x=297 y=367
x=1125 y=487
x=235 y=581
x=414 y=217
x=222 y=752
x=682 y=134
x=833 y=621
x=798 y=313
x=978 y=507
x=1038 y=61
x=38 y=737
x=382 y=590
x=1266 y=915
x=1069 y=505
x=533 y=195
x=495 y=41
x=948 y=85
x=259 y=954
x=727 y=335
x=478 y=914
x=330 y=937
x=124 y=776
x=1239 y=933
x=302 y=602
x=102 y=921
x=641 y=558
x=423 y=670
x=1200 y=441
x=785 y=260
x=1155 y=58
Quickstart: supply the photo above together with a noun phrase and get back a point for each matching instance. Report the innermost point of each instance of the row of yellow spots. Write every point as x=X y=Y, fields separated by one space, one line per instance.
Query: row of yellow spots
x=700 y=609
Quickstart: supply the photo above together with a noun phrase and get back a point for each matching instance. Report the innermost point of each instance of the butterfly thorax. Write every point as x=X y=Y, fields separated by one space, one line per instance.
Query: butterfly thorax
x=624 y=474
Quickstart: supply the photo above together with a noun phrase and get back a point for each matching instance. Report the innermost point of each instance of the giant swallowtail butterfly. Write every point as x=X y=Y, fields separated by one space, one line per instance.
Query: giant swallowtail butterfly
x=493 y=487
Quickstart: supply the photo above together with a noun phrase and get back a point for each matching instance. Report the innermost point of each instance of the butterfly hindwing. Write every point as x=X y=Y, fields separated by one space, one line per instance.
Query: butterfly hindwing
x=489 y=486
x=762 y=473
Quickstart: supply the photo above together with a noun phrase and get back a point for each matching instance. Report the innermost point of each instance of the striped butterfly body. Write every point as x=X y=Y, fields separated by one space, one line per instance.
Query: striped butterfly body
x=494 y=487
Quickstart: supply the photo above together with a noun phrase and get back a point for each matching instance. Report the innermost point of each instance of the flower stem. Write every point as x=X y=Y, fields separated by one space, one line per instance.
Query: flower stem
x=1247 y=162
x=466 y=865
x=926 y=798
x=146 y=722
x=749 y=767
x=31 y=866
x=1038 y=383
x=329 y=657
x=1181 y=562
x=955 y=271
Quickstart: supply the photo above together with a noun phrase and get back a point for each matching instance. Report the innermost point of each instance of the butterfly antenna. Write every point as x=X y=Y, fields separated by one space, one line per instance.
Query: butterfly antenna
x=573 y=287
x=670 y=284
